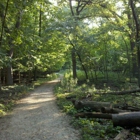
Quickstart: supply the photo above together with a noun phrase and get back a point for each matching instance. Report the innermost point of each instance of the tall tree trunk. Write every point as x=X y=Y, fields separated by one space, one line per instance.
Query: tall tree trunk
x=132 y=43
x=19 y=77
x=3 y=18
x=9 y=75
x=105 y=63
x=128 y=57
x=11 y=51
x=75 y=12
x=40 y=20
x=137 y=35
x=0 y=81
x=73 y=55
x=138 y=53
x=86 y=74
x=132 y=35
x=134 y=60
x=35 y=73
x=39 y=34
x=9 y=71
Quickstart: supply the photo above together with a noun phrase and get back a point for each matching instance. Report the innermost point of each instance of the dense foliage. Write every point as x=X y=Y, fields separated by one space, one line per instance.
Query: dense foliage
x=39 y=37
x=97 y=41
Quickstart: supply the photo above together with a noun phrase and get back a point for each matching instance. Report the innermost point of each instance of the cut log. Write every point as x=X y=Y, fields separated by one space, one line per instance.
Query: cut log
x=128 y=119
x=122 y=135
x=93 y=115
x=112 y=110
x=94 y=106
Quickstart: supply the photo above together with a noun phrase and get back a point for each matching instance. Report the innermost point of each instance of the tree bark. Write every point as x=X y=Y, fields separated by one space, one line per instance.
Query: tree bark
x=73 y=55
x=134 y=60
x=86 y=74
x=9 y=75
x=0 y=82
x=132 y=41
x=128 y=119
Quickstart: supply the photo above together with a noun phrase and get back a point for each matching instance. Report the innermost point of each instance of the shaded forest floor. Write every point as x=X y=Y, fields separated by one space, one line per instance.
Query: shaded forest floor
x=37 y=111
x=73 y=99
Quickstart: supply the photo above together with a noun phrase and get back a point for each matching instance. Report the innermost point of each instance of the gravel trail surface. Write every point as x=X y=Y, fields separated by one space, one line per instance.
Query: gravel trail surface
x=37 y=117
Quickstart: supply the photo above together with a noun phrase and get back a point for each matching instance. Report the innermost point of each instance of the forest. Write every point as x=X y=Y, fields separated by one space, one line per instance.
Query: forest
x=94 y=44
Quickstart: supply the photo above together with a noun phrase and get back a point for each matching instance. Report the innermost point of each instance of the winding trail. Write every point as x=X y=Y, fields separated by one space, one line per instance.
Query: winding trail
x=37 y=117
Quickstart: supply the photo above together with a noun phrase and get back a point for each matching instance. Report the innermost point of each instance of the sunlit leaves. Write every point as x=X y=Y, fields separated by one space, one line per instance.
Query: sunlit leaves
x=95 y=32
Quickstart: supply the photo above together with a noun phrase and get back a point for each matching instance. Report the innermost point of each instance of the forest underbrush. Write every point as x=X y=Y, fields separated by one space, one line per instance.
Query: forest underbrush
x=70 y=92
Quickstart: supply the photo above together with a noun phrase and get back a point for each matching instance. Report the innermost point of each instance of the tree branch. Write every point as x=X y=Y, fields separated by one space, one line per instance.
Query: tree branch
x=135 y=17
x=72 y=12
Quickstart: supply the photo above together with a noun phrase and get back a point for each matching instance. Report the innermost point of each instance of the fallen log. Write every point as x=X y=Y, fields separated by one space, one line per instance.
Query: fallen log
x=126 y=107
x=71 y=97
x=93 y=115
x=94 y=106
x=122 y=135
x=128 y=119
x=133 y=108
x=121 y=92
x=112 y=110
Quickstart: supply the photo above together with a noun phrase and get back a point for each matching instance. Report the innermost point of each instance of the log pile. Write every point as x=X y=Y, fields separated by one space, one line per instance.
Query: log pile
x=122 y=115
x=130 y=117
x=127 y=119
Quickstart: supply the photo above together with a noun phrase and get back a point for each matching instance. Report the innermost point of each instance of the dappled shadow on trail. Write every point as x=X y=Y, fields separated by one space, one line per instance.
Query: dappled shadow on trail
x=37 y=118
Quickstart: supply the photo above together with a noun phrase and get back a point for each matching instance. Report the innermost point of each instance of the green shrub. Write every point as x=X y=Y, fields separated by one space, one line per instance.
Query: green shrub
x=81 y=76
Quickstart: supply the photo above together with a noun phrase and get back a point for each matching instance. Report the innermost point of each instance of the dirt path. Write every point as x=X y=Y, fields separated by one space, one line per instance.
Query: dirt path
x=37 y=117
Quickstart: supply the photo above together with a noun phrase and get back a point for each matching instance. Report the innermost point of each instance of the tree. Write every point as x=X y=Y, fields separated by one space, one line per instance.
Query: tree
x=137 y=32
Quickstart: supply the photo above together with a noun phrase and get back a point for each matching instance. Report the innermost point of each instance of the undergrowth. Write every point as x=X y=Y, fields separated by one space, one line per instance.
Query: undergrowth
x=10 y=94
x=91 y=128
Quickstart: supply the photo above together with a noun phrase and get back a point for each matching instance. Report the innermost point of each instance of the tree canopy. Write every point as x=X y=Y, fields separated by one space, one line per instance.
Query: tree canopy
x=45 y=36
